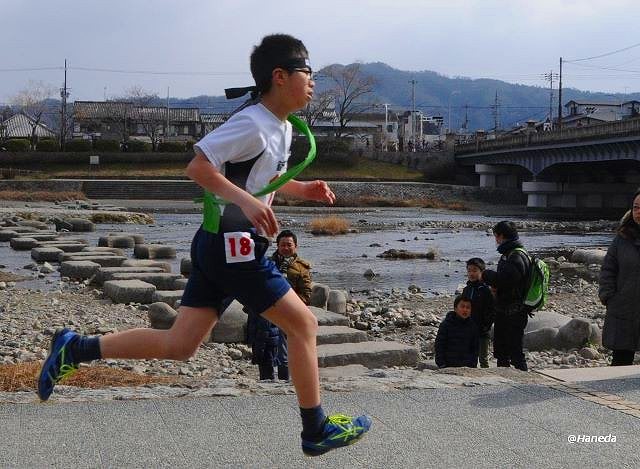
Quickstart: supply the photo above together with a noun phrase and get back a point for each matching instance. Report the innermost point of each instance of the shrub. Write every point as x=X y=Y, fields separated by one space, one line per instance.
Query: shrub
x=188 y=145
x=171 y=147
x=137 y=146
x=47 y=144
x=332 y=151
x=17 y=144
x=106 y=145
x=78 y=145
x=329 y=226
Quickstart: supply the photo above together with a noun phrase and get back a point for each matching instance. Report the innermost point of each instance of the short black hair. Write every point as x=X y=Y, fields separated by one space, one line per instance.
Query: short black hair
x=287 y=234
x=460 y=298
x=507 y=229
x=479 y=263
x=273 y=52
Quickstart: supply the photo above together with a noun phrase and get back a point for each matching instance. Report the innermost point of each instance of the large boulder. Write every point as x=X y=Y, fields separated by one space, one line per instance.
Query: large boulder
x=232 y=326
x=544 y=319
x=80 y=225
x=574 y=334
x=588 y=256
x=337 y=301
x=161 y=315
x=319 y=295
x=540 y=339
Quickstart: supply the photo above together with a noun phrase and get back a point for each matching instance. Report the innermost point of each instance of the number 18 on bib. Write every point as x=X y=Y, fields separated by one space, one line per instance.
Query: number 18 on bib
x=239 y=247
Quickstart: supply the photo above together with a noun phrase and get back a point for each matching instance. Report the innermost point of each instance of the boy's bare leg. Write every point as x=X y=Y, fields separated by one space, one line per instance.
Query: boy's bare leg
x=180 y=342
x=300 y=325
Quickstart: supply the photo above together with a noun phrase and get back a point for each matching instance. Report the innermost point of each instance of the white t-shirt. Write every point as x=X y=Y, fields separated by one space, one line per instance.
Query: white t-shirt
x=244 y=136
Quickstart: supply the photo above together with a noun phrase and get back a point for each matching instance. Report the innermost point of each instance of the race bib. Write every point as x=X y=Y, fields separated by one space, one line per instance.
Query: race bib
x=239 y=247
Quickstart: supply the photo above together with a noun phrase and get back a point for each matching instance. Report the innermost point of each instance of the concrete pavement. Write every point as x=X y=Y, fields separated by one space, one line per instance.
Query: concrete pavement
x=489 y=426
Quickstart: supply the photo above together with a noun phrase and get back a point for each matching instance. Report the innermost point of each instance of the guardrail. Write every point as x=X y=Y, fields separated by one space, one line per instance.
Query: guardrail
x=630 y=127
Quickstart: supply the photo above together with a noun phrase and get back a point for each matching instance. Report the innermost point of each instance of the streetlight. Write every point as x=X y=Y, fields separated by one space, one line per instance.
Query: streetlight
x=451 y=94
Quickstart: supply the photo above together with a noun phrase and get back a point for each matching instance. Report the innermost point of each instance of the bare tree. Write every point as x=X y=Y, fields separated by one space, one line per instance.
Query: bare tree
x=352 y=90
x=321 y=107
x=152 y=119
x=32 y=101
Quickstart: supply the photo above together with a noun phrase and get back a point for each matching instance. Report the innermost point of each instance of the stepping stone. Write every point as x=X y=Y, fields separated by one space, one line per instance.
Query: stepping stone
x=80 y=242
x=185 y=266
x=180 y=283
x=106 y=273
x=44 y=236
x=154 y=251
x=6 y=235
x=126 y=242
x=78 y=269
x=370 y=354
x=170 y=297
x=38 y=225
x=100 y=250
x=129 y=291
x=147 y=263
x=104 y=261
x=137 y=237
x=72 y=247
x=162 y=281
x=23 y=244
x=80 y=224
x=84 y=254
x=48 y=254
x=327 y=318
x=339 y=335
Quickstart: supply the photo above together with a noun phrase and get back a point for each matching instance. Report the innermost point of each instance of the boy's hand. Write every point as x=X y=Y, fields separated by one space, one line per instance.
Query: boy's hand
x=319 y=191
x=260 y=215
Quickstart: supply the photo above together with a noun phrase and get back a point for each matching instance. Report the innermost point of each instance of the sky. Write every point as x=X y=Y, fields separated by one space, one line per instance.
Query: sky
x=199 y=47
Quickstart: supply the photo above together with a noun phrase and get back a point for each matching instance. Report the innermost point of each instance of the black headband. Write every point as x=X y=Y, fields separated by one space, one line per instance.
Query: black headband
x=297 y=62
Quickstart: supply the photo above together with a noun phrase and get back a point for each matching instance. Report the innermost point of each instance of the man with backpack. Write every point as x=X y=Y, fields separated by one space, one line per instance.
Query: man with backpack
x=510 y=283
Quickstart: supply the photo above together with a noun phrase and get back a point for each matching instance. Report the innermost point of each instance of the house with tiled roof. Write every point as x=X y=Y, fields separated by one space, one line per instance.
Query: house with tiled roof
x=22 y=126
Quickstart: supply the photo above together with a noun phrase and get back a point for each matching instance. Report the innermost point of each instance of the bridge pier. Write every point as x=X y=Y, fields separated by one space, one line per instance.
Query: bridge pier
x=496 y=176
x=557 y=195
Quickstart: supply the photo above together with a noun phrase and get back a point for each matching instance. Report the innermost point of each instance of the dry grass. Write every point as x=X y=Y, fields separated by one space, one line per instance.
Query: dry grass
x=329 y=225
x=22 y=377
x=41 y=196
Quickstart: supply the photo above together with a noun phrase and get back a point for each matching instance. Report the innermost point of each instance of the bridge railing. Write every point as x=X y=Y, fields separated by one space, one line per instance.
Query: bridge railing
x=577 y=134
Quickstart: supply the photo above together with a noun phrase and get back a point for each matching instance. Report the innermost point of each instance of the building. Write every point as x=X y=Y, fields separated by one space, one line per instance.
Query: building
x=586 y=113
x=22 y=126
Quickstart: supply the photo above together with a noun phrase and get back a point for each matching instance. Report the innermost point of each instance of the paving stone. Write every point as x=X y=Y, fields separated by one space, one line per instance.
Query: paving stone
x=339 y=335
x=129 y=291
x=154 y=251
x=161 y=280
x=78 y=269
x=23 y=244
x=107 y=273
x=170 y=297
x=42 y=254
x=165 y=266
x=369 y=354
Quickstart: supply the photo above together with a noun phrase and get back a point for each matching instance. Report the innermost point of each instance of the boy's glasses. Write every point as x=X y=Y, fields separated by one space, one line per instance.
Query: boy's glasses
x=306 y=71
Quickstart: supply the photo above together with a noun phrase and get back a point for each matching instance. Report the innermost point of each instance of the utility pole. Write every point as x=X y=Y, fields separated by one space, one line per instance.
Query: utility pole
x=549 y=77
x=560 y=99
x=64 y=94
x=466 y=118
x=166 y=134
x=495 y=114
x=413 y=108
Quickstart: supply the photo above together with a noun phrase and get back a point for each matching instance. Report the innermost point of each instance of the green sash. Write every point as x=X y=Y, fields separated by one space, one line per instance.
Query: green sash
x=212 y=203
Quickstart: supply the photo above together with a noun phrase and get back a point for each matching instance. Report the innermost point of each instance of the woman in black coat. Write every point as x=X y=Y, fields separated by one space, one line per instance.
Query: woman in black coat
x=620 y=289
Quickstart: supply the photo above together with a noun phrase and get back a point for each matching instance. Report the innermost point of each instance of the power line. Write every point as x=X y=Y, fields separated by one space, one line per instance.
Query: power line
x=605 y=54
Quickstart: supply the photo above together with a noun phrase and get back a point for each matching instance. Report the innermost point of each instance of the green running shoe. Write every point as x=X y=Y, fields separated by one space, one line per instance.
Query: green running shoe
x=339 y=430
x=58 y=365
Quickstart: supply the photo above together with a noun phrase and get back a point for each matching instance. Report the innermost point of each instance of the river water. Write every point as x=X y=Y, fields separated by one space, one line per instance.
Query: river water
x=340 y=261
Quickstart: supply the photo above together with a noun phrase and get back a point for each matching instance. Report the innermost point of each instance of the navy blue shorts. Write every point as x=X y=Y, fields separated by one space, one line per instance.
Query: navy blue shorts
x=219 y=271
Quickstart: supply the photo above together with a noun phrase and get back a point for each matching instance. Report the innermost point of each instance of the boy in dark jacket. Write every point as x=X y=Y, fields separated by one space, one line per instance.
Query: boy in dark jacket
x=481 y=306
x=457 y=339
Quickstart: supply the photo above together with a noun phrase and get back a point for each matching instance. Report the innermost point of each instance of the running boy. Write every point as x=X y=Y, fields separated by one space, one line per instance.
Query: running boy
x=238 y=159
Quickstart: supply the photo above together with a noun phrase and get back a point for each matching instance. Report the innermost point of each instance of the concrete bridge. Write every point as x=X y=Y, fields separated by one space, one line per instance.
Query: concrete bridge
x=594 y=167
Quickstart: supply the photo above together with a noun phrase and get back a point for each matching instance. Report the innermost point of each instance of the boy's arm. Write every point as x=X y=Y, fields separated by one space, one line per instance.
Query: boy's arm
x=441 y=341
x=309 y=190
x=203 y=173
